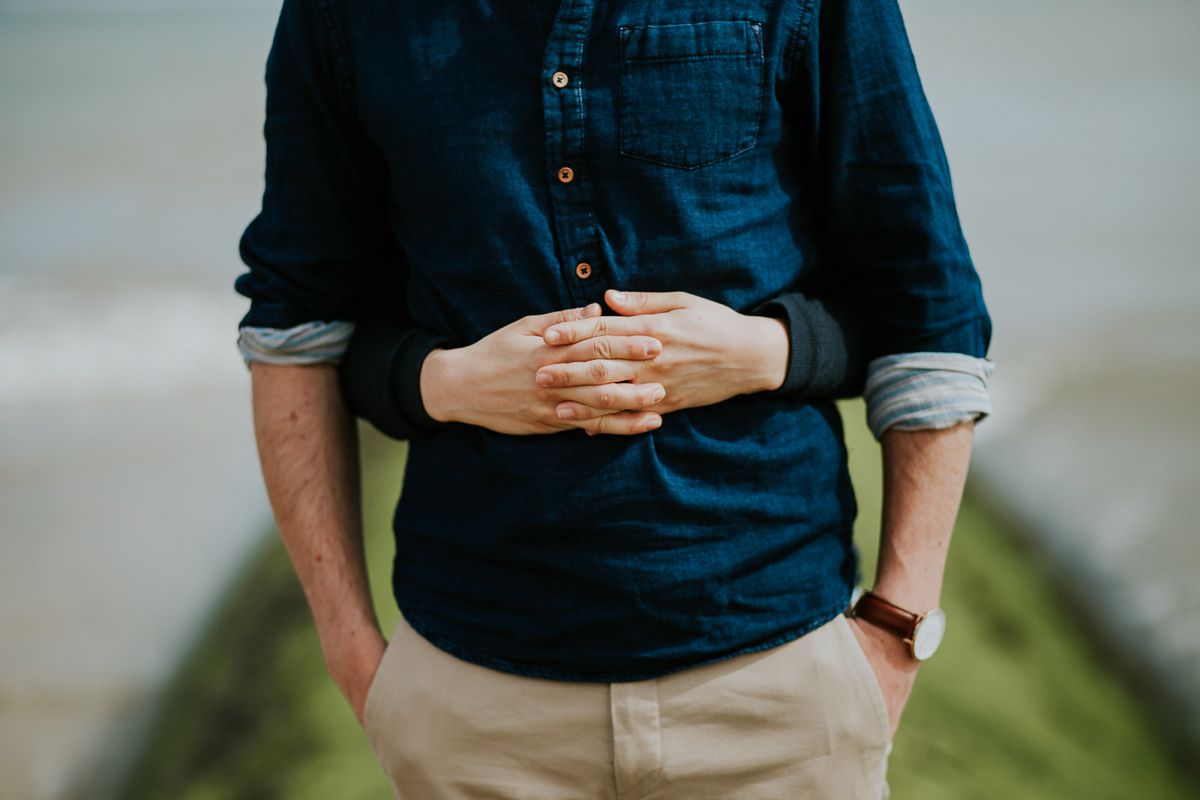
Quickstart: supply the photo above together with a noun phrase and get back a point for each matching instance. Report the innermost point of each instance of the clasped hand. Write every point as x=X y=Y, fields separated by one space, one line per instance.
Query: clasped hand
x=577 y=368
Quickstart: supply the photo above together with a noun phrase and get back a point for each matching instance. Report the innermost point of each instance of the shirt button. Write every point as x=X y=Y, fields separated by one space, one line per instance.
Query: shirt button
x=559 y=79
x=584 y=270
x=566 y=174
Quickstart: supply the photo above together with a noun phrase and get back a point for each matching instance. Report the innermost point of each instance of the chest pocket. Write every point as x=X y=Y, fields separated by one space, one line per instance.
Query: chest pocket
x=690 y=94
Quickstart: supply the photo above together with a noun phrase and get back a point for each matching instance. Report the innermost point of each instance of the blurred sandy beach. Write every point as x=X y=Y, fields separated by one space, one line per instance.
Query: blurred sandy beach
x=131 y=159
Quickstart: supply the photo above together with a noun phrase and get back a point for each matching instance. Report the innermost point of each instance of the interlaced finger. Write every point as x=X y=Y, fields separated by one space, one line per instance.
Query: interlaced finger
x=580 y=329
x=588 y=373
x=635 y=347
x=610 y=396
x=624 y=423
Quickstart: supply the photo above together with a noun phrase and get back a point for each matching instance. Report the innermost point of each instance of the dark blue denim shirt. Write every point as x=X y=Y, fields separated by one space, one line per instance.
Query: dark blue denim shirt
x=427 y=160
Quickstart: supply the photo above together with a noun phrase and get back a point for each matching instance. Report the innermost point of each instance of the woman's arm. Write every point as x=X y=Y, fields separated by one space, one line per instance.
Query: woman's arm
x=381 y=369
x=826 y=357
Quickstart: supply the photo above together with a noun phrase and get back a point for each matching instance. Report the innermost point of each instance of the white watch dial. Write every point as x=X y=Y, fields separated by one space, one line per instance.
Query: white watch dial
x=929 y=634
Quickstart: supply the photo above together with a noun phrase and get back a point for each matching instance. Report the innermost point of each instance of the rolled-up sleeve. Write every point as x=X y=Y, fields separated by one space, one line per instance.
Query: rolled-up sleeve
x=306 y=343
x=888 y=219
x=318 y=250
x=926 y=391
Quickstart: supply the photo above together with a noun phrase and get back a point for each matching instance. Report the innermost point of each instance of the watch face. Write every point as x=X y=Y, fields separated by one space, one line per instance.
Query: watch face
x=929 y=634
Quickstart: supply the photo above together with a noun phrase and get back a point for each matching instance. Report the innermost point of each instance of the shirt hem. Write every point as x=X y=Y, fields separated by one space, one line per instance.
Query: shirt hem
x=515 y=668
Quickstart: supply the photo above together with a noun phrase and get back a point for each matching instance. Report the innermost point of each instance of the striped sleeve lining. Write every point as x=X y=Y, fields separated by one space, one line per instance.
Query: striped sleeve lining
x=916 y=391
x=307 y=343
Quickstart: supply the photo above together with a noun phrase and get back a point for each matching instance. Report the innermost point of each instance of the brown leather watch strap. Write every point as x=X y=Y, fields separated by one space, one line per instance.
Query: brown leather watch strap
x=874 y=608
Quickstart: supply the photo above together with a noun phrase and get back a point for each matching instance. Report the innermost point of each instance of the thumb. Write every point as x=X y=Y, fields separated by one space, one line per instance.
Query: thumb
x=629 y=303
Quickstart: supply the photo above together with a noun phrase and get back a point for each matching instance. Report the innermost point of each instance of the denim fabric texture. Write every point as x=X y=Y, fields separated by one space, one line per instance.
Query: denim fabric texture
x=424 y=164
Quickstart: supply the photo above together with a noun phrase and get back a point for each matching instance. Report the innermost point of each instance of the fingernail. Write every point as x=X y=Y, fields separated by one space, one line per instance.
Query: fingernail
x=591 y=308
x=618 y=296
x=654 y=348
x=544 y=378
x=659 y=394
x=553 y=336
x=652 y=424
x=565 y=412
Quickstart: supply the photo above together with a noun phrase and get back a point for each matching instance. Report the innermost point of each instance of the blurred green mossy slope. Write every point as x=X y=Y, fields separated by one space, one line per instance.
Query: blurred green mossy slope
x=1016 y=705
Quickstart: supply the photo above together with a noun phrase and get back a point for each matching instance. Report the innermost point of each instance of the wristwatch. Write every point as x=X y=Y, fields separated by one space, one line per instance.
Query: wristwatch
x=922 y=632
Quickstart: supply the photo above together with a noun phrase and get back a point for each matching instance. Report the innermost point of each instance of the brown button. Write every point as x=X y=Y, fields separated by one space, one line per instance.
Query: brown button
x=583 y=269
x=559 y=79
x=566 y=174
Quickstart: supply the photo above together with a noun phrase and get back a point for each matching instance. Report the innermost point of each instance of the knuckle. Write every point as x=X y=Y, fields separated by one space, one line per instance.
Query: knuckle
x=602 y=347
x=599 y=370
x=606 y=399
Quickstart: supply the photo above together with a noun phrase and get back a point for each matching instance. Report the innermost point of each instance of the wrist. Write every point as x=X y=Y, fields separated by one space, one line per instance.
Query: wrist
x=437 y=386
x=352 y=663
x=769 y=348
x=921 y=631
x=918 y=596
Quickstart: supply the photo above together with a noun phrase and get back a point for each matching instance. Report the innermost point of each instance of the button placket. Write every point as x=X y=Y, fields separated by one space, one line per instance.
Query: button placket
x=570 y=195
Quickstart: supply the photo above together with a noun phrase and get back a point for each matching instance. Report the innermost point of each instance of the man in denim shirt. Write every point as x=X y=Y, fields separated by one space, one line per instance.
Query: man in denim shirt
x=575 y=253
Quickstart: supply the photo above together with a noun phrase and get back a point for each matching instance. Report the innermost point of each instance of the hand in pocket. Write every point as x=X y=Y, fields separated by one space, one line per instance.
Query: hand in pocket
x=894 y=667
x=353 y=660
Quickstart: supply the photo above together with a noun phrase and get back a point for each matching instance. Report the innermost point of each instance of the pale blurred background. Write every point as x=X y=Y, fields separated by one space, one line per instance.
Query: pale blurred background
x=131 y=159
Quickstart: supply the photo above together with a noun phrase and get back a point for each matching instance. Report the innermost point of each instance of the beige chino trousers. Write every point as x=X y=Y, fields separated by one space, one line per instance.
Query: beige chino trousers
x=805 y=719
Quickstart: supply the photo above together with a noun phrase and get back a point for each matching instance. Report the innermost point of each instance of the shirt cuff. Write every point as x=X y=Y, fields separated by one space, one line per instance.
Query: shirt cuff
x=307 y=343
x=381 y=376
x=925 y=391
x=825 y=348
x=407 y=378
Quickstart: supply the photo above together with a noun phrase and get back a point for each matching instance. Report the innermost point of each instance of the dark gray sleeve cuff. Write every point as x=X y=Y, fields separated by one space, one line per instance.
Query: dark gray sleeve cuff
x=826 y=355
x=380 y=376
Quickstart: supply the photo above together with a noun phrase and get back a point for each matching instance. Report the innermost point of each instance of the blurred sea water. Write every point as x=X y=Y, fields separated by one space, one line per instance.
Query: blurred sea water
x=1071 y=129
x=131 y=159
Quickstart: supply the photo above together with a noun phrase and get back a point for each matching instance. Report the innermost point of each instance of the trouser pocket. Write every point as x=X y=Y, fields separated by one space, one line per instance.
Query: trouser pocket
x=869 y=692
x=378 y=688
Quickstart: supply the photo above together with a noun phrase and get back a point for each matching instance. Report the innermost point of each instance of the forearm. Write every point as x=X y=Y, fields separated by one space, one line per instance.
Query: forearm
x=924 y=472
x=308 y=448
